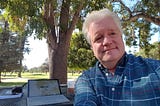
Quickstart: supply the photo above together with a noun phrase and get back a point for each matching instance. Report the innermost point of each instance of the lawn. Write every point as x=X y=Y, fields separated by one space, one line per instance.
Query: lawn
x=11 y=79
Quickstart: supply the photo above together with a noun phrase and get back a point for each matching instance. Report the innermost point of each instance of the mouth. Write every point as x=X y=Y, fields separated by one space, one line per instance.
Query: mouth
x=109 y=50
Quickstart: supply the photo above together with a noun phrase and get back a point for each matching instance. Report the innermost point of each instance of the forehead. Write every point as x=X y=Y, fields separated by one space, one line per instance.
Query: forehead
x=107 y=23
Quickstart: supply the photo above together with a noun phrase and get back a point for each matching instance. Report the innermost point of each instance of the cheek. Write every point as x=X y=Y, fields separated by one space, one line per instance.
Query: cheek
x=121 y=46
x=96 y=48
x=119 y=42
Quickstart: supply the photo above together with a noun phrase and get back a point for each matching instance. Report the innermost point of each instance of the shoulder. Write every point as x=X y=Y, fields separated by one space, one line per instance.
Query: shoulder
x=89 y=74
x=91 y=71
x=138 y=60
x=85 y=79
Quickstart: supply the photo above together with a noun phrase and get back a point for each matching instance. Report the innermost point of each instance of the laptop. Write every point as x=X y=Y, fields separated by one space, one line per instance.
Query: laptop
x=44 y=92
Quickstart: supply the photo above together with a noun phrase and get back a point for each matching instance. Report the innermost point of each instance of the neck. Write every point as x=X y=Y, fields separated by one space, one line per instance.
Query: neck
x=112 y=70
x=111 y=67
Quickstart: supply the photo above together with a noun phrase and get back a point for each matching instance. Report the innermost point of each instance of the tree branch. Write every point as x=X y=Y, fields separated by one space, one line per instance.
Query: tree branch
x=76 y=16
x=125 y=7
x=49 y=19
x=133 y=16
x=155 y=20
x=64 y=15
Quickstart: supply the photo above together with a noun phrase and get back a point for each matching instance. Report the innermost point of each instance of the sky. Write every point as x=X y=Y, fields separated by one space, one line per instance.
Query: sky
x=38 y=53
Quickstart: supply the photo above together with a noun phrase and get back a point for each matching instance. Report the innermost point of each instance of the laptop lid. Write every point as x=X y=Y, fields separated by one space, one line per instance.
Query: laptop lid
x=43 y=87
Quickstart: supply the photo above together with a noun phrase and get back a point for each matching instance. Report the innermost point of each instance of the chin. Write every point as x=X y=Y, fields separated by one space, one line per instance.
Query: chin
x=110 y=57
x=108 y=60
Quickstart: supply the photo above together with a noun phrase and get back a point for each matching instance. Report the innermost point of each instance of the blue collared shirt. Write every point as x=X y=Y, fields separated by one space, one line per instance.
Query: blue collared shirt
x=136 y=82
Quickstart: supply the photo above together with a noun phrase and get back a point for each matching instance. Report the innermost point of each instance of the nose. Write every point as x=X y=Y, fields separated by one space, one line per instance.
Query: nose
x=107 y=40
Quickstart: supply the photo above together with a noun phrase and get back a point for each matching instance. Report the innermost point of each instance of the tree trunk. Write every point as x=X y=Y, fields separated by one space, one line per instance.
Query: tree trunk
x=58 y=60
x=21 y=46
x=58 y=38
x=20 y=72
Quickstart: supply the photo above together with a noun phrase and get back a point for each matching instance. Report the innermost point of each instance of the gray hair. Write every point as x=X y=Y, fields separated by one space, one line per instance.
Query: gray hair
x=94 y=15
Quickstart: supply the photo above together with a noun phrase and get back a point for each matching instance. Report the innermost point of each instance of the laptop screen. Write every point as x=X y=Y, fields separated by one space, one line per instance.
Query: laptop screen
x=43 y=87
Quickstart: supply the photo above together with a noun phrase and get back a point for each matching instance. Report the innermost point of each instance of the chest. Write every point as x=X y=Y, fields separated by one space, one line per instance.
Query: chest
x=124 y=89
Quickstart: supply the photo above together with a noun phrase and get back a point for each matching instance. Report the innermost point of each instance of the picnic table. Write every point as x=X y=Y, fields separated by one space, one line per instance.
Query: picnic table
x=21 y=100
x=10 y=100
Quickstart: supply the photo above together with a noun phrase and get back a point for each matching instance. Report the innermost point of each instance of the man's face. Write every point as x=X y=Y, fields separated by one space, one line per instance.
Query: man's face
x=106 y=40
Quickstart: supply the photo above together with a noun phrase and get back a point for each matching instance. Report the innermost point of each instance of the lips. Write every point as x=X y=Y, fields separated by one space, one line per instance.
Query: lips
x=109 y=49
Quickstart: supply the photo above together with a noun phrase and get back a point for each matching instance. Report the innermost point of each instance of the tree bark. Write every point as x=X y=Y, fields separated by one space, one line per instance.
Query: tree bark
x=59 y=39
x=57 y=63
x=21 y=47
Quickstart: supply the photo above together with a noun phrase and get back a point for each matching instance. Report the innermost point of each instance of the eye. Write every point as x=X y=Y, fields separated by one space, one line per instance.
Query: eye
x=112 y=33
x=98 y=38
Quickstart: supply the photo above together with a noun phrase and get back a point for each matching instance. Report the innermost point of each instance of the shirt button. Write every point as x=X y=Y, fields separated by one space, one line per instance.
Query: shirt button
x=106 y=74
x=113 y=89
x=125 y=77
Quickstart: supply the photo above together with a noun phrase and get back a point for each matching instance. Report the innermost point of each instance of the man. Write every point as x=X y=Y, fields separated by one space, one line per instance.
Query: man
x=118 y=78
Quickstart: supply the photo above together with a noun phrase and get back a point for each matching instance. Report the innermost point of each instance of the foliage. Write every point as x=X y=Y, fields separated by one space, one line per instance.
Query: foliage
x=11 y=52
x=145 y=37
x=153 y=52
x=43 y=68
x=24 y=15
x=56 y=20
x=80 y=55
x=30 y=15
x=134 y=17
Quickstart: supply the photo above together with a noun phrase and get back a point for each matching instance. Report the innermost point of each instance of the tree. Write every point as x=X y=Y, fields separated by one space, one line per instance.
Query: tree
x=140 y=19
x=56 y=20
x=80 y=55
x=144 y=37
x=133 y=15
x=142 y=9
x=152 y=52
x=45 y=66
x=59 y=35
x=11 y=50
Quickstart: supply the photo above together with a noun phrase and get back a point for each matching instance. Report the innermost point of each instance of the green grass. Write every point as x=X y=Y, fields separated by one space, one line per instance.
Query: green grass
x=27 y=75
x=35 y=75
x=11 y=84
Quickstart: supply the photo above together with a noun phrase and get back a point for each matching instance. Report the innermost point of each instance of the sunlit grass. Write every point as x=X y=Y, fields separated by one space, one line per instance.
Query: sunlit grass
x=26 y=75
x=35 y=75
x=12 y=79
